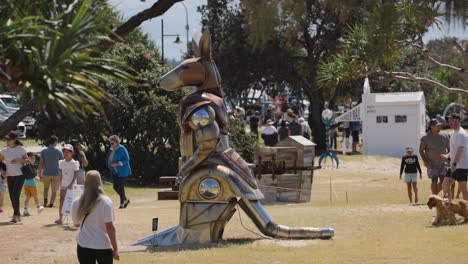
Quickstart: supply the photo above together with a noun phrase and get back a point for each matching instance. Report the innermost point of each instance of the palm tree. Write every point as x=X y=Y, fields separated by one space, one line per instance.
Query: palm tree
x=49 y=54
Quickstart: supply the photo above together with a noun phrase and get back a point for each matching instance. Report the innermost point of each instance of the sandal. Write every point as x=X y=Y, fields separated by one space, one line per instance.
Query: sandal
x=126 y=203
x=58 y=222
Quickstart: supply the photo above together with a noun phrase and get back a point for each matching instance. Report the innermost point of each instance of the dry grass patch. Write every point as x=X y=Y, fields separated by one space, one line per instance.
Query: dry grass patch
x=376 y=226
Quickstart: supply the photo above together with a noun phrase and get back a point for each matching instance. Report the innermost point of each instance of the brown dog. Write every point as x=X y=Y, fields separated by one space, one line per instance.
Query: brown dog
x=448 y=209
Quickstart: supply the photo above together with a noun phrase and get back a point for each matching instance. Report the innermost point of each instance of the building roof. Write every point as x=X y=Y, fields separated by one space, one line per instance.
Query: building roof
x=415 y=97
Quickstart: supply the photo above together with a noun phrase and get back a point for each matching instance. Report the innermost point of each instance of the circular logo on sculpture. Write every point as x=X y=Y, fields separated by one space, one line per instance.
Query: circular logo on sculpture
x=209 y=188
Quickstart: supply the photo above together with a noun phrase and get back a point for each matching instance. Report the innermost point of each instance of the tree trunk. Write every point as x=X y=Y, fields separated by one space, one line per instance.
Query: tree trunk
x=315 y=121
x=11 y=123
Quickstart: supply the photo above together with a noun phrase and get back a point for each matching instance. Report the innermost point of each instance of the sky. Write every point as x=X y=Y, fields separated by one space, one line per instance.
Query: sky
x=174 y=23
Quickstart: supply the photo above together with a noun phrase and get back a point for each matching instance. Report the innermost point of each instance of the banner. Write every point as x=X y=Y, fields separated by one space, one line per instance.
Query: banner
x=72 y=194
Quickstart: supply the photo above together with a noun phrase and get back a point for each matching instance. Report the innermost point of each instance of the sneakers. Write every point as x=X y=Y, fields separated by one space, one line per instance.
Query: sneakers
x=40 y=209
x=26 y=212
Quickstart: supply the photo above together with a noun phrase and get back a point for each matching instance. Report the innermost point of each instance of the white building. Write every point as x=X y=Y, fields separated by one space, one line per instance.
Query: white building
x=390 y=121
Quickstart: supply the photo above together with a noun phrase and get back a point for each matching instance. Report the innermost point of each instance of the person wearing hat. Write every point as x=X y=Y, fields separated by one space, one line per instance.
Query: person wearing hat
x=68 y=168
x=410 y=165
x=14 y=155
x=432 y=145
x=288 y=115
x=458 y=158
x=269 y=134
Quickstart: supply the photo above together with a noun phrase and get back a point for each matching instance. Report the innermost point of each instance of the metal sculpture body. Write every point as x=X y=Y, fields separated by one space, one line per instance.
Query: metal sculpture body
x=327 y=120
x=213 y=177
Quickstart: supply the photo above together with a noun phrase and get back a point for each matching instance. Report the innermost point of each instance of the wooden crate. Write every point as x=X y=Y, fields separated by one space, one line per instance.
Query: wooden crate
x=285 y=172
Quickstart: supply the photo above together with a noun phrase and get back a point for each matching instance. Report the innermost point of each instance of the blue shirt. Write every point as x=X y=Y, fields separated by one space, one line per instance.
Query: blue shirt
x=50 y=157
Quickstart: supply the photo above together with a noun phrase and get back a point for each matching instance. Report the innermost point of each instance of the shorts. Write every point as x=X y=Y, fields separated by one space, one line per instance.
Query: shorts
x=355 y=135
x=411 y=177
x=437 y=174
x=2 y=185
x=347 y=132
x=51 y=180
x=459 y=175
x=30 y=191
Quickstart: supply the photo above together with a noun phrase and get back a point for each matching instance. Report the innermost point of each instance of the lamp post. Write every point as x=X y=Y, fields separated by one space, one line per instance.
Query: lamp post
x=162 y=39
x=186 y=25
x=327 y=120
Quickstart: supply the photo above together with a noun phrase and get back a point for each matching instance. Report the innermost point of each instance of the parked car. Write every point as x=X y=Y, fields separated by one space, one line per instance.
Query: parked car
x=11 y=105
x=20 y=128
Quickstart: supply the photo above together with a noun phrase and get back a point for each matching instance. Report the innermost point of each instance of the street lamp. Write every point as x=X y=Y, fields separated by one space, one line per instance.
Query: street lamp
x=177 y=40
x=186 y=25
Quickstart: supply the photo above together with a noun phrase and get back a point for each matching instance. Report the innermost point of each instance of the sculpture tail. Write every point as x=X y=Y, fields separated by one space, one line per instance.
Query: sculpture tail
x=262 y=220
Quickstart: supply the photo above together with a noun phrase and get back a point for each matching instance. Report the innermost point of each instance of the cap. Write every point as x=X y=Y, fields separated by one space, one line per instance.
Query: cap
x=257 y=112
x=289 y=110
x=68 y=147
x=269 y=122
x=454 y=116
x=11 y=135
x=434 y=122
x=409 y=149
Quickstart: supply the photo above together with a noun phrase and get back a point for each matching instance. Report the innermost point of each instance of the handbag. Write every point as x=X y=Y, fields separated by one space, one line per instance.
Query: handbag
x=29 y=171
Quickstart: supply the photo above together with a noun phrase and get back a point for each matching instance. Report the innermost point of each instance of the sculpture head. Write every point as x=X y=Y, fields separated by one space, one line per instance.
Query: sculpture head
x=200 y=71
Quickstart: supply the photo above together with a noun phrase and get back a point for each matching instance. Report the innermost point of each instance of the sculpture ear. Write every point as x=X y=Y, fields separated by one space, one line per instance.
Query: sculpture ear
x=205 y=45
x=195 y=49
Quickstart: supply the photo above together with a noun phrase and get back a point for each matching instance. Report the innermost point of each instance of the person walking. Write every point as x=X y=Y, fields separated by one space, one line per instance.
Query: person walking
x=118 y=162
x=49 y=171
x=432 y=146
x=30 y=189
x=68 y=168
x=458 y=158
x=254 y=121
x=355 y=129
x=14 y=156
x=79 y=156
x=269 y=134
x=345 y=137
x=2 y=184
x=410 y=165
x=93 y=213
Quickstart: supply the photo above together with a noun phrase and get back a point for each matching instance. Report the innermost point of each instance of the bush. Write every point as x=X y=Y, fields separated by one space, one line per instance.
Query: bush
x=244 y=143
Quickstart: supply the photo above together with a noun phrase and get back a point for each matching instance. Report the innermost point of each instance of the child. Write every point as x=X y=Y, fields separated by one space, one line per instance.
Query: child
x=68 y=173
x=410 y=163
x=2 y=184
x=30 y=189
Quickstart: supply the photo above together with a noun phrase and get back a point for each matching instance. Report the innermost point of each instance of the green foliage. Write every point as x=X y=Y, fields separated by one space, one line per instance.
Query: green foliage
x=143 y=115
x=50 y=51
x=244 y=143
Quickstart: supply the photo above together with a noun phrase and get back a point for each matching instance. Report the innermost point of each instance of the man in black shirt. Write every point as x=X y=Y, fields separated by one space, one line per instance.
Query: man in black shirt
x=295 y=128
x=410 y=164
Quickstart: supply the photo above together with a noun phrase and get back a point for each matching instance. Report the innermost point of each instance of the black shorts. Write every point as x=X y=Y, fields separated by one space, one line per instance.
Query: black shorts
x=459 y=175
x=347 y=132
x=355 y=135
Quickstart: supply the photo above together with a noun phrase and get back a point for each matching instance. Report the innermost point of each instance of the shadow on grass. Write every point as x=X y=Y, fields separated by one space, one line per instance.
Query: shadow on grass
x=446 y=224
x=65 y=227
x=224 y=243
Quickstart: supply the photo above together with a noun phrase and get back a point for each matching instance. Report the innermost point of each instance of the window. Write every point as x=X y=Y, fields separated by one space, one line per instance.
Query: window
x=382 y=119
x=400 y=119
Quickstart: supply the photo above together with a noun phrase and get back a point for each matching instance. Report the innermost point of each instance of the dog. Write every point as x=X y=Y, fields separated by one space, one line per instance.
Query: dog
x=448 y=209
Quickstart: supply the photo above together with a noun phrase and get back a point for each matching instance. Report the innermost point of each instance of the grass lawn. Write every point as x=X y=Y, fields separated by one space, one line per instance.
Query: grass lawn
x=370 y=214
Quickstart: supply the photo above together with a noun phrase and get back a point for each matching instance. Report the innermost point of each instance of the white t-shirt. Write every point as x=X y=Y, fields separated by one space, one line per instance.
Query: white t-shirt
x=458 y=139
x=269 y=130
x=68 y=169
x=11 y=154
x=93 y=233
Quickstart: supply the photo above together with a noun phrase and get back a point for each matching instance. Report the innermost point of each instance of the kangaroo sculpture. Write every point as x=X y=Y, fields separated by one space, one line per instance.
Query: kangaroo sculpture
x=213 y=177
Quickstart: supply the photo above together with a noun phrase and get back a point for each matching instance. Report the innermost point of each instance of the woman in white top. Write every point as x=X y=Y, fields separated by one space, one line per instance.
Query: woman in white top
x=94 y=214
x=14 y=156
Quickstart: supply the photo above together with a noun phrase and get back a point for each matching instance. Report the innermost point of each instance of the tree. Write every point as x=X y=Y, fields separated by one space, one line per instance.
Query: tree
x=46 y=56
x=142 y=115
x=49 y=47
x=368 y=51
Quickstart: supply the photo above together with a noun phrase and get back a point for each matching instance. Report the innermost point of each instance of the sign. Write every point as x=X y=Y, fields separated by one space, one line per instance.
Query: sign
x=72 y=194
